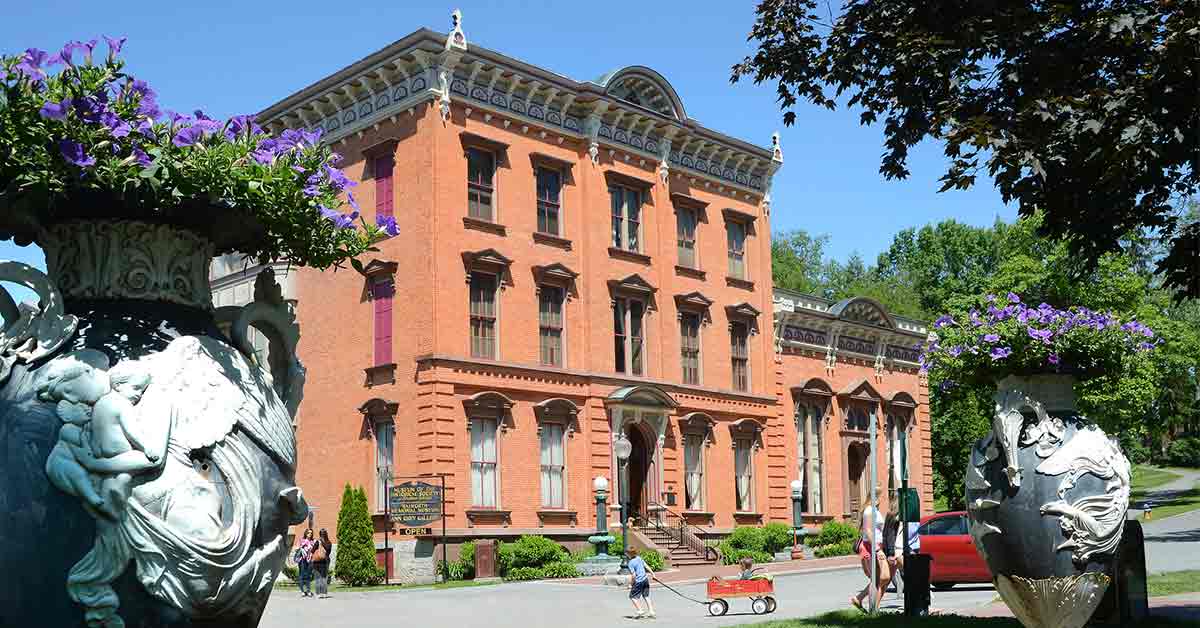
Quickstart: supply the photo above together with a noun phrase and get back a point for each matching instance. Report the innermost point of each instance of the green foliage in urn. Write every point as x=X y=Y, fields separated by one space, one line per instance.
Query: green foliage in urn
x=80 y=138
x=356 y=564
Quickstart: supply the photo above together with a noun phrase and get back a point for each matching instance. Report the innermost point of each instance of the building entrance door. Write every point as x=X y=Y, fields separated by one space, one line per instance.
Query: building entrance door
x=641 y=463
x=856 y=464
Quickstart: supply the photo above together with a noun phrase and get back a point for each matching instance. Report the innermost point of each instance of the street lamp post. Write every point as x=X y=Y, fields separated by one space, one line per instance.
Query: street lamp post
x=797 y=519
x=600 y=484
x=623 y=448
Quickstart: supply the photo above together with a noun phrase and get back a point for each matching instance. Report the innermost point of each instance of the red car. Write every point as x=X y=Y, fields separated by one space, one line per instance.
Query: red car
x=955 y=559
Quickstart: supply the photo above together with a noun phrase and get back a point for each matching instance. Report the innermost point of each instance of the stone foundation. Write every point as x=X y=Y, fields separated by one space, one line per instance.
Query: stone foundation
x=413 y=562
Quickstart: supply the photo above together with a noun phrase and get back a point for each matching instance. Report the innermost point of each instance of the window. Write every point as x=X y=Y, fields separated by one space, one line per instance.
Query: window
x=628 y=341
x=809 y=420
x=552 y=466
x=689 y=343
x=483 y=463
x=384 y=165
x=382 y=291
x=483 y=316
x=385 y=438
x=693 y=485
x=944 y=526
x=739 y=338
x=626 y=217
x=685 y=233
x=481 y=169
x=743 y=454
x=549 y=184
x=550 y=325
x=858 y=418
x=896 y=426
x=736 y=236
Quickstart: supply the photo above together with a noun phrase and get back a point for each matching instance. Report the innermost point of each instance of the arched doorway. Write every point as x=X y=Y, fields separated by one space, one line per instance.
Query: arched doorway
x=642 y=472
x=856 y=482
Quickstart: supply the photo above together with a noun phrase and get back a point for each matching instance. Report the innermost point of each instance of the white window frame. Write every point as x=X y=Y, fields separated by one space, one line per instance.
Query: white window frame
x=495 y=315
x=701 y=442
x=384 y=426
x=495 y=187
x=562 y=328
x=547 y=427
x=680 y=211
x=729 y=251
x=624 y=218
x=538 y=200
x=627 y=336
x=476 y=423
x=699 y=347
x=739 y=442
x=746 y=359
x=810 y=423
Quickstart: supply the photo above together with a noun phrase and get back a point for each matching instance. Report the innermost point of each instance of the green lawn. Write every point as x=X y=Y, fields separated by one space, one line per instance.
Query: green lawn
x=856 y=619
x=1146 y=478
x=1174 y=582
x=338 y=587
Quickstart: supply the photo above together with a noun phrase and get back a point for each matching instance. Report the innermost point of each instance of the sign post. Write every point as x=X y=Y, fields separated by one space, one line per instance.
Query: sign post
x=412 y=505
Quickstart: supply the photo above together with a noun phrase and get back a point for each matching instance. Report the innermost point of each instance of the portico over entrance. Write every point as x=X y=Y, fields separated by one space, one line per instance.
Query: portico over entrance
x=639 y=413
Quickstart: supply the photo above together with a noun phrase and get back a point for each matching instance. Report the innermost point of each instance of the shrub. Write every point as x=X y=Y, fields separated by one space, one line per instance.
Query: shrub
x=748 y=538
x=653 y=559
x=524 y=573
x=505 y=555
x=844 y=548
x=466 y=554
x=777 y=537
x=834 y=533
x=455 y=571
x=292 y=572
x=561 y=570
x=1184 y=452
x=537 y=551
x=614 y=546
x=356 y=564
x=580 y=555
x=731 y=555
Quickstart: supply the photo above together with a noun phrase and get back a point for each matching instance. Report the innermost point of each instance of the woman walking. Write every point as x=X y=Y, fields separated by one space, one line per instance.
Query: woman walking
x=891 y=549
x=870 y=548
x=320 y=564
x=304 y=560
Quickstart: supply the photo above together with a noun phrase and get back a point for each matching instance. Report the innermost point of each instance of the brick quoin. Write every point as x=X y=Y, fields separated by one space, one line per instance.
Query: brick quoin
x=386 y=113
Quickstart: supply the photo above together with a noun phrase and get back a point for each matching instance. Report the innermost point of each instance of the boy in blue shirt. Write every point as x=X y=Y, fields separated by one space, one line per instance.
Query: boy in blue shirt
x=639 y=577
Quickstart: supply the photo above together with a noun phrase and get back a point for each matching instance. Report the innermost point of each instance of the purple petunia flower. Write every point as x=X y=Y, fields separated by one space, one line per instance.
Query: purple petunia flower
x=1054 y=359
x=943 y=320
x=999 y=353
x=1013 y=298
x=388 y=225
x=68 y=51
x=337 y=178
x=975 y=320
x=88 y=47
x=146 y=128
x=1146 y=346
x=187 y=136
x=114 y=46
x=334 y=158
x=341 y=221
x=955 y=351
x=353 y=203
x=141 y=157
x=310 y=190
x=264 y=157
x=31 y=64
x=74 y=153
x=993 y=338
x=311 y=137
x=991 y=298
x=116 y=126
x=1041 y=334
x=55 y=111
x=92 y=108
x=241 y=124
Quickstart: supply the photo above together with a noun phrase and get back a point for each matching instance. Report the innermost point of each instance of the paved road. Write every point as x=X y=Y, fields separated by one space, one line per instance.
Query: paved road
x=1173 y=544
x=553 y=605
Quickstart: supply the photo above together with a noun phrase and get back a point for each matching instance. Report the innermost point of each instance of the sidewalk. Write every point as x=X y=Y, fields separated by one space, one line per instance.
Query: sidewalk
x=701 y=573
x=1185 y=606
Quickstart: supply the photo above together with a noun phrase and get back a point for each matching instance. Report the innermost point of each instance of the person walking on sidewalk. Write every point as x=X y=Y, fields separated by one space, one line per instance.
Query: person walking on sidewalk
x=639 y=584
x=870 y=548
x=320 y=564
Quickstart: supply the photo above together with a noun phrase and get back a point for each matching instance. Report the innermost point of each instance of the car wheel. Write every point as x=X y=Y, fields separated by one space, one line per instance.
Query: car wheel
x=942 y=586
x=716 y=608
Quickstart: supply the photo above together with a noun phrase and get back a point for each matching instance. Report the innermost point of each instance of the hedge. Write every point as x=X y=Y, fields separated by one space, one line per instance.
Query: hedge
x=777 y=537
x=834 y=533
x=844 y=548
x=561 y=570
x=525 y=573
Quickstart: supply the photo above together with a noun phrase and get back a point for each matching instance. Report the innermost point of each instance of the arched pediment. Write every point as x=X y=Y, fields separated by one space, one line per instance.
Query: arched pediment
x=861 y=389
x=556 y=407
x=642 y=396
x=487 y=400
x=902 y=399
x=379 y=408
x=814 y=386
x=645 y=88
x=863 y=310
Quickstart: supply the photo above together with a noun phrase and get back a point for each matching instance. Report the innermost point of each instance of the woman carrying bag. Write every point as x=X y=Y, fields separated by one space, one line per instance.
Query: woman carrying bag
x=320 y=564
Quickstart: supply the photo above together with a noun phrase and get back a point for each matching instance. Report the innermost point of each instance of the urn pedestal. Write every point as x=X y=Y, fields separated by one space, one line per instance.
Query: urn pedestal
x=147 y=462
x=1047 y=493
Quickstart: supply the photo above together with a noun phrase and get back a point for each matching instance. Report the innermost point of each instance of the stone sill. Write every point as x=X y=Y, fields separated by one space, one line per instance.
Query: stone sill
x=380 y=374
x=557 y=515
x=739 y=283
x=688 y=271
x=632 y=256
x=484 y=225
x=550 y=239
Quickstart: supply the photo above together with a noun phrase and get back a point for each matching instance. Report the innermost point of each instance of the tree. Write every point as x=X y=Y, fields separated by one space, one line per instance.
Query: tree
x=797 y=260
x=1086 y=110
x=356 y=564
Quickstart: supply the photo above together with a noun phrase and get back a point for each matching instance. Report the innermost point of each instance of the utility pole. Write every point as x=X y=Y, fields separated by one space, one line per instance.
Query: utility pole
x=874 y=505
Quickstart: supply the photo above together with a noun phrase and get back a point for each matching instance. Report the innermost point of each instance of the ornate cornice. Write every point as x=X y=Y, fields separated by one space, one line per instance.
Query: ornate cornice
x=125 y=259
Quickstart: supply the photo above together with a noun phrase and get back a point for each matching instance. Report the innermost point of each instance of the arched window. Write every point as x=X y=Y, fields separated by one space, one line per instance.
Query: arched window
x=810 y=419
x=858 y=417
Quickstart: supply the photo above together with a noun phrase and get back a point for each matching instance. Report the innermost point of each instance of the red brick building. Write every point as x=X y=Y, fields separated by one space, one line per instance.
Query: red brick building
x=577 y=260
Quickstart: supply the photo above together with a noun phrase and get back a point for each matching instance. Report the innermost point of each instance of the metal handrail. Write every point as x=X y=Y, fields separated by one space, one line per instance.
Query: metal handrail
x=681 y=533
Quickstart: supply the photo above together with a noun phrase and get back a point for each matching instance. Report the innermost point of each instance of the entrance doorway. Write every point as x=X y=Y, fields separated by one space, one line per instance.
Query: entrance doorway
x=856 y=465
x=641 y=472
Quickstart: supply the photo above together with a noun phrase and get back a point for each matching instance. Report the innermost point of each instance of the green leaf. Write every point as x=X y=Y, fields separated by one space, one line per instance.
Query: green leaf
x=356 y=264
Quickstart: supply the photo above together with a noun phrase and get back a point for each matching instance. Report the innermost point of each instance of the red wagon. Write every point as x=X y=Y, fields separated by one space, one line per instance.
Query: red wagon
x=760 y=591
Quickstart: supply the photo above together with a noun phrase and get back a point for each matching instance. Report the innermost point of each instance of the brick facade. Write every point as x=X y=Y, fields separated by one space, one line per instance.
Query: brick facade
x=627 y=130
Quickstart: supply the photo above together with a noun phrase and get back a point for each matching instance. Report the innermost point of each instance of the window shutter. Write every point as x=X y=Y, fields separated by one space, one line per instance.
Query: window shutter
x=383 y=321
x=384 y=166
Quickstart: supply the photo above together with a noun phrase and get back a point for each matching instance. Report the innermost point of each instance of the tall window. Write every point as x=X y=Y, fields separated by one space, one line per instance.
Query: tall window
x=685 y=234
x=550 y=325
x=628 y=340
x=743 y=455
x=553 y=484
x=739 y=340
x=549 y=184
x=483 y=463
x=693 y=485
x=483 y=316
x=809 y=419
x=896 y=425
x=384 y=165
x=382 y=291
x=481 y=170
x=689 y=343
x=385 y=438
x=626 y=217
x=858 y=418
x=736 y=236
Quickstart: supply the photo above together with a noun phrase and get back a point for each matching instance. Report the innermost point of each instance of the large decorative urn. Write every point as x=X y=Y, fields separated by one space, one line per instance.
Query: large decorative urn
x=1047 y=493
x=147 y=461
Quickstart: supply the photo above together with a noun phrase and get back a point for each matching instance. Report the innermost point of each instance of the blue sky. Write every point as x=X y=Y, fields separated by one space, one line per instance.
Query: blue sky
x=237 y=57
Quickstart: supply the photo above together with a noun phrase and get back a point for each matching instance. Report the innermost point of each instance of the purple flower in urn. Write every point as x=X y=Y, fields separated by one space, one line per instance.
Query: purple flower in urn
x=339 y=220
x=1054 y=359
x=114 y=46
x=353 y=203
x=991 y=338
x=1041 y=334
x=74 y=153
x=975 y=320
x=55 y=111
x=943 y=320
x=187 y=136
x=1013 y=298
x=387 y=224
x=338 y=179
x=955 y=351
x=31 y=64
x=141 y=157
x=999 y=353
